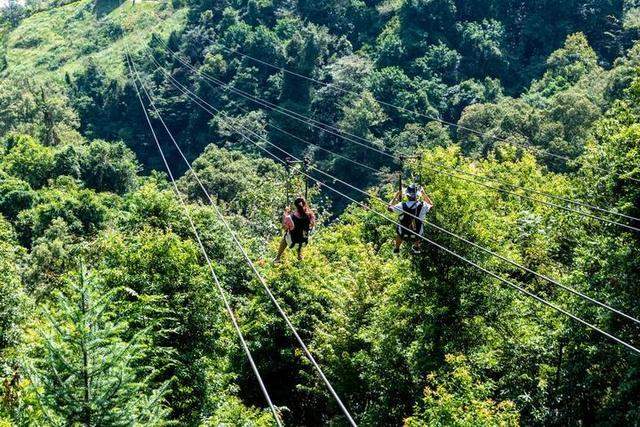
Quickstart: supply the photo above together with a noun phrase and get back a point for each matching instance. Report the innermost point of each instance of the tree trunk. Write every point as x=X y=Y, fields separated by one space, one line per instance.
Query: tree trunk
x=85 y=363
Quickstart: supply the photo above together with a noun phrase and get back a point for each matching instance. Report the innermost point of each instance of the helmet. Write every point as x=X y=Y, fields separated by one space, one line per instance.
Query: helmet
x=412 y=192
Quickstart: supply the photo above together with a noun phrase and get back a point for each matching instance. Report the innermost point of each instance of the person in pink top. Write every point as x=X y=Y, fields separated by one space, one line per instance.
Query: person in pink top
x=297 y=226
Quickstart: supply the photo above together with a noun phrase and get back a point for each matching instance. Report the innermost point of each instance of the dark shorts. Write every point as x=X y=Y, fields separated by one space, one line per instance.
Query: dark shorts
x=406 y=234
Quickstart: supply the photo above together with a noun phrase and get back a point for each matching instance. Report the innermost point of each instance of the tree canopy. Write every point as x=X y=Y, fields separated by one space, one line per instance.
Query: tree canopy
x=520 y=120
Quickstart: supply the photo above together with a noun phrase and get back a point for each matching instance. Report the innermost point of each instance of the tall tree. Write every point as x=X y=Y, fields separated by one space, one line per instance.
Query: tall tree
x=83 y=370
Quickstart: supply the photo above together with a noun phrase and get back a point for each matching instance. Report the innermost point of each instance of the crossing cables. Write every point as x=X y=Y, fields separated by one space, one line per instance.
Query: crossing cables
x=212 y=110
x=218 y=285
x=406 y=110
x=519 y=288
x=243 y=251
x=439 y=167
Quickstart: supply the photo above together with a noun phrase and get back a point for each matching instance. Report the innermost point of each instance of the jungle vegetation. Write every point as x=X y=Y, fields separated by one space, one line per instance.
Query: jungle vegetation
x=108 y=312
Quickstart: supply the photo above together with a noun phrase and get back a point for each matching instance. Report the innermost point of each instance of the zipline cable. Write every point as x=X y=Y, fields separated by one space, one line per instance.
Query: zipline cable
x=286 y=111
x=490 y=273
x=461 y=257
x=323 y=126
x=285 y=132
x=468 y=261
x=218 y=285
x=546 y=203
x=467 y=241
x=492 y=253
x=551 y=196
x=204 y=104
x=250 y=262
x=406 y=110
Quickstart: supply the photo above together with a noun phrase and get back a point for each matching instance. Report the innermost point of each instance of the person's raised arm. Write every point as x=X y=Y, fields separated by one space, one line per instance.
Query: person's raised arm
x=396 y=198
x=426 y=197
x=287 y=222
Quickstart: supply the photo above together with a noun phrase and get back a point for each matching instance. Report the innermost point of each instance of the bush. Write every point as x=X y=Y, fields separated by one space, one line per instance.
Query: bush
x=109 y=167
x=28 y=160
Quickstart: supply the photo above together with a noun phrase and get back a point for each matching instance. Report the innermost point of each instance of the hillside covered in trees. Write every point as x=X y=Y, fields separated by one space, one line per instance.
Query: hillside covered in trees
x=521 y=120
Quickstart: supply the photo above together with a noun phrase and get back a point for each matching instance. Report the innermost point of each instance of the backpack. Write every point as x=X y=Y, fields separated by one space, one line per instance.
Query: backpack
x=409 y=220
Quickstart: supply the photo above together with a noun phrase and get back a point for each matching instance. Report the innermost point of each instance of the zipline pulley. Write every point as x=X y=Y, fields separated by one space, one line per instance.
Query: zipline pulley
x=403 y=158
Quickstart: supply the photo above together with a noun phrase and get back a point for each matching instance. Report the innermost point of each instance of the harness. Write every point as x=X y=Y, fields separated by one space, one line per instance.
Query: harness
x=409 y=220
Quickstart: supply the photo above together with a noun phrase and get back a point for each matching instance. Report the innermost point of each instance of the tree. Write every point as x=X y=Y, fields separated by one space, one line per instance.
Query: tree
x=362 y=118
x=15 y=195
x=54 y=113
x=109 y=167
x=40 y=109
x=84 y=370
x=389 y=45
x=348 y=73
x=482 y=47
x=166 y=285
x=566 y=66
x=13 y=12
x=460 y=398
x=415 y=137
x=614 y=147
x=430 y=20
x=439 y=61
x=471 y=92
x=392 y=86
x=84 y=211
x=247 y=186
x=14 y=300
x=28 y=160
x=576 y=113
x=607 y=265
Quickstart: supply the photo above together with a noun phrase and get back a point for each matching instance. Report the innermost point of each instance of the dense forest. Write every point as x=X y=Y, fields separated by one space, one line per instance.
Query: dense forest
x=521 y=120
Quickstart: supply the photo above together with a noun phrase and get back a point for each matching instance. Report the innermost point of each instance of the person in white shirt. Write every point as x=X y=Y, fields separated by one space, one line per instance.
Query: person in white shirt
x=412 y=214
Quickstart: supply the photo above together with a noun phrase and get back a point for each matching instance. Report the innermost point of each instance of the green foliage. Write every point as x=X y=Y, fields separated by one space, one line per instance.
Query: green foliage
x=615 y=144
x=389 y=46
x=561 y=78
x=249 y=187
x=41 y=110
x=13 y=303
x=414 y=137
x=441 y=61
x=392 y=86
x=102 y=166
x=482 y=48
x=15 y=196
x=168 y=286
x=364 y=115
x=83 y=211
x=430 y=19
x=12 y=12
x=233 y=412
x=58 y=39
x=457 y=398
x=566 y=66
x=109 y=167
x=472 y=92
x=82 y=367
x=26 y=159
x=150 y=206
